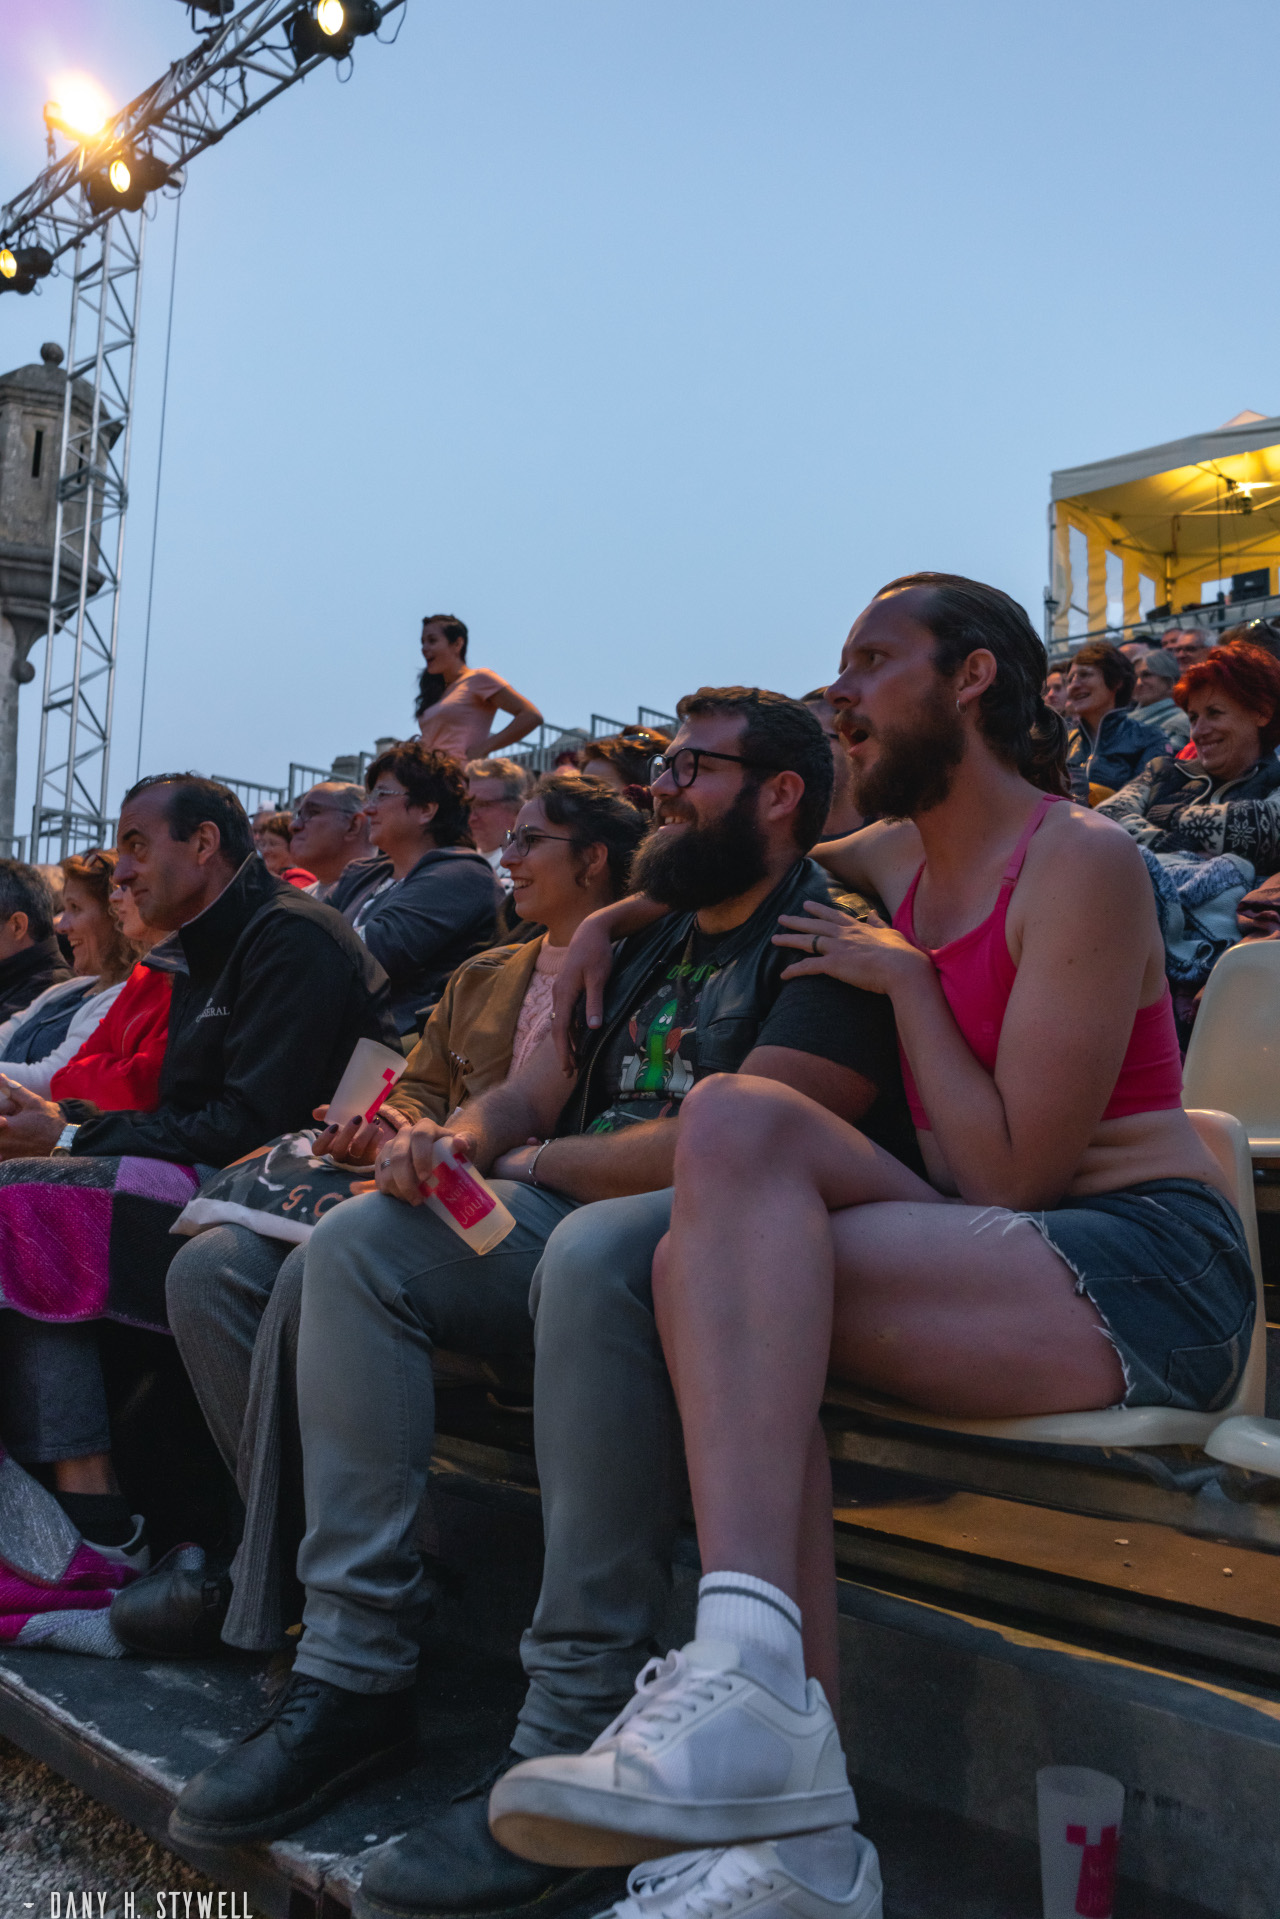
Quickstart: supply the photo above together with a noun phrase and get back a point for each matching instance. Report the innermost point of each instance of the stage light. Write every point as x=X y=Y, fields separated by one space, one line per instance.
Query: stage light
x=123 y=184
x=330 y=26
x=79 y=109
x=21 y=267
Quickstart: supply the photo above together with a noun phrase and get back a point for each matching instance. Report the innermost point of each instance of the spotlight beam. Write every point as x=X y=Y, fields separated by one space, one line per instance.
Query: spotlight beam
x=240 y=65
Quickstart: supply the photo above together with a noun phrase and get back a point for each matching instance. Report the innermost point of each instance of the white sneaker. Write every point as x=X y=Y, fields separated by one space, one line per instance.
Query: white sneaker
x=746 y=1879
x=703 y=1755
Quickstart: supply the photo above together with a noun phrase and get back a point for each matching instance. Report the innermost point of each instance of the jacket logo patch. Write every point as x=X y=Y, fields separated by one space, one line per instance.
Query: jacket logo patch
x=214 y=1012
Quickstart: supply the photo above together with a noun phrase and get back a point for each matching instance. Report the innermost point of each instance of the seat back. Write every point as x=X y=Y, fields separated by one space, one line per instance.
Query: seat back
x=1233 y=1061
x=1225 y=1138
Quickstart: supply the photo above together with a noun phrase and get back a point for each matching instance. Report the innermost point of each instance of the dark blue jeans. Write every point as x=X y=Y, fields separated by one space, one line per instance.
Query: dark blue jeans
x=1166 y=1265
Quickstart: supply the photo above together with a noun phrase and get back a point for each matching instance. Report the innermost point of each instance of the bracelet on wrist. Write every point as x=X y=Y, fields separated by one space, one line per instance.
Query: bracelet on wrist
x=533 y=1163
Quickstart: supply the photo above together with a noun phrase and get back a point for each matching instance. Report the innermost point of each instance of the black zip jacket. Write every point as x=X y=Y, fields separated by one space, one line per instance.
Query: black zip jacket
x=23 y=975
x=735 y=1001
x=275 y=992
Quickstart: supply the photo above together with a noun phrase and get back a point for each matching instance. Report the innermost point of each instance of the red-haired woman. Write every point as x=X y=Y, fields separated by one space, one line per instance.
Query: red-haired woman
x=1226 y=800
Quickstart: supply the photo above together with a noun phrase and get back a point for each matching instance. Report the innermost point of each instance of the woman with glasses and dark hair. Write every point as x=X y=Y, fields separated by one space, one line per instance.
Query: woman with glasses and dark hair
x=569 y=852
x=457 y=703
x=432 y=900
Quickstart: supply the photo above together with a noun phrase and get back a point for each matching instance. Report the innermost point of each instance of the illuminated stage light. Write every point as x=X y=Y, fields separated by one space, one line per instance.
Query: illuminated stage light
x=79 y=109
x=21 y=267
x=123 y=184
x=330 y=26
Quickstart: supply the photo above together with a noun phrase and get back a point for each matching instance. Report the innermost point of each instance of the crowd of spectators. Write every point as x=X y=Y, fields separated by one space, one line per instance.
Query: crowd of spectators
x=725 y=1014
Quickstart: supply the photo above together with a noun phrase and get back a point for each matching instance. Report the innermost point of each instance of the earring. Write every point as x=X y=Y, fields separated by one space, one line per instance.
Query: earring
x=958 y=707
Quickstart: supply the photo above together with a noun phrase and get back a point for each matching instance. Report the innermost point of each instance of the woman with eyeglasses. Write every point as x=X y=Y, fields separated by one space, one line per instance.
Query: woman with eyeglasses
x=569 y=852
x=433 y=901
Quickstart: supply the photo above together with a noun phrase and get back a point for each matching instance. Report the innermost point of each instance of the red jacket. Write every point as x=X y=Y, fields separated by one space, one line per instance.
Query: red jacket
x=118 y=1067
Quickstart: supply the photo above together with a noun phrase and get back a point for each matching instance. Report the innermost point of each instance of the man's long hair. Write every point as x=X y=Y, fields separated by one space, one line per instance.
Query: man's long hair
x=1013 y=717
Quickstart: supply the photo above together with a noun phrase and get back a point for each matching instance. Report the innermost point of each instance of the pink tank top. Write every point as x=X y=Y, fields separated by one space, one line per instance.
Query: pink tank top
x=977 y=975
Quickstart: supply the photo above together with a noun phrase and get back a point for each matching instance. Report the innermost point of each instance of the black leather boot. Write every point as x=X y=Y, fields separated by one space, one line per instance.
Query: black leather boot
x=315 y=1744
x=453 y=1865
x=176 y=1611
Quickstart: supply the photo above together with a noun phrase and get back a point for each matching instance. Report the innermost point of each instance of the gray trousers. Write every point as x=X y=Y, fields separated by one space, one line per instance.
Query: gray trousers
x=233 y=1301
x=611 y=1468
x=386 y=1284
x=53 y=1404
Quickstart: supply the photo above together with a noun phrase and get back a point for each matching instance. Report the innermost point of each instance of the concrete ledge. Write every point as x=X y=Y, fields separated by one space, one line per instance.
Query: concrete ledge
x=958 y=1714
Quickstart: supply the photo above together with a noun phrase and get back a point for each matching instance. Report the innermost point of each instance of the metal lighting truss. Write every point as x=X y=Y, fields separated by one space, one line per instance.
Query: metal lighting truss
x=238 y=67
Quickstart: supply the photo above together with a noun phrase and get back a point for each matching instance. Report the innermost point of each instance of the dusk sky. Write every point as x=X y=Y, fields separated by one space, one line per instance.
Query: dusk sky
x=649 y=339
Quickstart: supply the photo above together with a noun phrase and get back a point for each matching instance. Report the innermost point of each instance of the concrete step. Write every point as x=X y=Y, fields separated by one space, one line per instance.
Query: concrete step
x=947 y=1717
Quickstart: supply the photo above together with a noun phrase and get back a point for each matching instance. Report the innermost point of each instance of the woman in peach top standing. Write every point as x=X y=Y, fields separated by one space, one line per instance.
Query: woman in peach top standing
x=457 y=703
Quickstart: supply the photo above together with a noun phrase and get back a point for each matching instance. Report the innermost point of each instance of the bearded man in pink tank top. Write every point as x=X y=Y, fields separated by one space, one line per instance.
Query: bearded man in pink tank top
x=1074 y=1245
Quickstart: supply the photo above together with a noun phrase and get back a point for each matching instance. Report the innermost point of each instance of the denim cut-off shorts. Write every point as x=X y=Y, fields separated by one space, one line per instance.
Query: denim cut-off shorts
x=1166 y=1264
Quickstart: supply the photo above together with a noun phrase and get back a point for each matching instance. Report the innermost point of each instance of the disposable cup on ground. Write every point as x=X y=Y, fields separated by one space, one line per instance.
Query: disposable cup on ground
x=370 y=1074
x=455 y=1191
x=1080 y=1813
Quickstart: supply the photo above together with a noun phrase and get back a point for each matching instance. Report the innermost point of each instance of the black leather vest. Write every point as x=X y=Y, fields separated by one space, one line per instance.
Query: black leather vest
x=736 y=999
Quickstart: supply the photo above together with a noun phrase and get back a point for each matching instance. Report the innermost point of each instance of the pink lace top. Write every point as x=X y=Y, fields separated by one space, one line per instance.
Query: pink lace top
x=534 y=1022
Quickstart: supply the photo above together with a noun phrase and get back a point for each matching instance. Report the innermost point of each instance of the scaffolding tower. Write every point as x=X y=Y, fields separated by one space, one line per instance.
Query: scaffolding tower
x=74 y=762
x=242 y=62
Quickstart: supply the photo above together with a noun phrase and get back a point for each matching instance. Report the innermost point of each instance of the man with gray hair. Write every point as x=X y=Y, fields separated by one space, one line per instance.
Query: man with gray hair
x=30 y=957
x=1188 y=644
x=330 y=830
x=1153 y=698
x=498 y=789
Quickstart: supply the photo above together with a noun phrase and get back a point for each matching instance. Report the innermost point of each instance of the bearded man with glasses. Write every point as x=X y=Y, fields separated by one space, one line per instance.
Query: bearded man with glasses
x=697 y=988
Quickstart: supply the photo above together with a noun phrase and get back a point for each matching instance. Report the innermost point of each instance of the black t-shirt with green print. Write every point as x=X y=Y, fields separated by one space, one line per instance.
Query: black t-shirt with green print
x=651 y=1061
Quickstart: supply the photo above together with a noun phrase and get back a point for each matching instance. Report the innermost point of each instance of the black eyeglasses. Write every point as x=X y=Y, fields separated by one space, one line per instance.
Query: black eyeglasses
x=683 y=764
x=520 y=839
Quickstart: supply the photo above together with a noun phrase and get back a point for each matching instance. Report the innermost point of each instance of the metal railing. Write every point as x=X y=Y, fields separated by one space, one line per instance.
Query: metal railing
x=313 y=775
x=253 y=794
x=1214 y=617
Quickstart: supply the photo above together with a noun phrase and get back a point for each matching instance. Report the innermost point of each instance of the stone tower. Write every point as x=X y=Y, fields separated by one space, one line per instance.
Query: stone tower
x=31 y=400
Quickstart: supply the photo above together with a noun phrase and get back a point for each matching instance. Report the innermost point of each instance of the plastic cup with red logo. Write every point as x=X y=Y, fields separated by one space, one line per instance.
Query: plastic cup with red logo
x=371 y=1072
x=454 y=1189
x=1080 y=1813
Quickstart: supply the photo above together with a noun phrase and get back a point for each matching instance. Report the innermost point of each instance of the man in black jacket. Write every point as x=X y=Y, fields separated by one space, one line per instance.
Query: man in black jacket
x=271 y=991
x=30 y=957
x=745 y=795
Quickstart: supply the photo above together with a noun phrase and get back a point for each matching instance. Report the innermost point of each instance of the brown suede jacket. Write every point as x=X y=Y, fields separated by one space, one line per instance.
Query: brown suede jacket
x=466 y=1045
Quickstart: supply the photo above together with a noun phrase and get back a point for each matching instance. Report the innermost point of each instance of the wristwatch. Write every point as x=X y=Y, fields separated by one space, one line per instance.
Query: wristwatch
x=65 y=1137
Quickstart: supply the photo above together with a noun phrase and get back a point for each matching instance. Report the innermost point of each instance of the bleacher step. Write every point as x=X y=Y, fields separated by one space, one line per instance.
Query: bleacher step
x=948 y=1718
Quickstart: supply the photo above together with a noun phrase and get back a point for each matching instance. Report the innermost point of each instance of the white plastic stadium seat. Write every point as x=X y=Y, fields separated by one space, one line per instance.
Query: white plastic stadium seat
x=1246 y=1437
x=1233 y=1061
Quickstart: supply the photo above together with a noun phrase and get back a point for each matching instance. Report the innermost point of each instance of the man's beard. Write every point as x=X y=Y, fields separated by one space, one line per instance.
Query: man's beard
x=699 y=866
x=914 y=766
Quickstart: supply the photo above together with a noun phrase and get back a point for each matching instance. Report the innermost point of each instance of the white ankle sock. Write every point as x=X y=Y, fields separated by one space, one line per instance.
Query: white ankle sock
x=823 y=1861
x=764 y=1625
